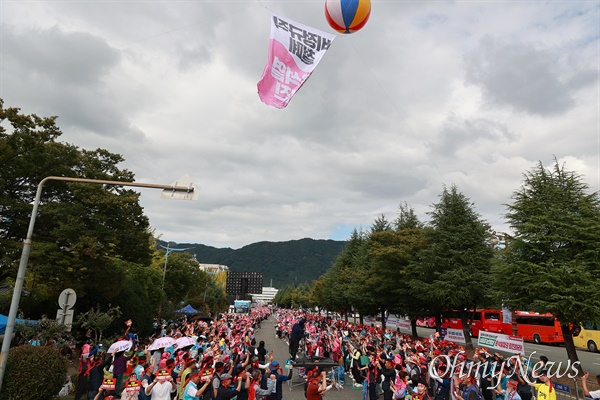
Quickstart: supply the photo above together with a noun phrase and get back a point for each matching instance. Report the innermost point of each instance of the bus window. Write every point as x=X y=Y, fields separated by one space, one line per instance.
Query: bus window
x=588 y=337
x=539 y=328
x=494 y=316
x=482 y=320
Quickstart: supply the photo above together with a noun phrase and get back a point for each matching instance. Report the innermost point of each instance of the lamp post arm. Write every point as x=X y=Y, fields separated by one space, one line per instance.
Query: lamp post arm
x=14 y=305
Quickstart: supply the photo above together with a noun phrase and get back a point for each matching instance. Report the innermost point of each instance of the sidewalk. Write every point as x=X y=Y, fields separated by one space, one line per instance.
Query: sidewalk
x=281 y=354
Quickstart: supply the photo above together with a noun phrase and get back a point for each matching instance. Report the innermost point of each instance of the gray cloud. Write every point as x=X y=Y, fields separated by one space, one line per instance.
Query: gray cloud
x=520 y=76
x=385 y=118
x=66 y=59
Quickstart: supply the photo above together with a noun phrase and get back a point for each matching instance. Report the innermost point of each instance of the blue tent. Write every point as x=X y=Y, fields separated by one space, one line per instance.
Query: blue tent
x=4 y=322
x=188 y=310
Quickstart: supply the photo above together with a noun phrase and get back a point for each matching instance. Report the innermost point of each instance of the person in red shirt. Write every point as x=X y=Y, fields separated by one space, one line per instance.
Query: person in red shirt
x=317 y=384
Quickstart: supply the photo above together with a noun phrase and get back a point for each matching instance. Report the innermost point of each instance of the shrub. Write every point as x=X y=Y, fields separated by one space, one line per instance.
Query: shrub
x=33 y=372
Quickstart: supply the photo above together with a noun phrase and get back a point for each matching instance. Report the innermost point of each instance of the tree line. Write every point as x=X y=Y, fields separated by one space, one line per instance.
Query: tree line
x=549 y=263
x=94 y=239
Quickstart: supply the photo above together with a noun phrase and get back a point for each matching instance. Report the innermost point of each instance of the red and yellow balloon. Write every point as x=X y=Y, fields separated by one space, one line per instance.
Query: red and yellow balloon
x=347 y=16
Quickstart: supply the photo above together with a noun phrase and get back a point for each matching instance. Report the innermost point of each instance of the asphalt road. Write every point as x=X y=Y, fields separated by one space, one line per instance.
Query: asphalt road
x=557 y=353
x=281 y=354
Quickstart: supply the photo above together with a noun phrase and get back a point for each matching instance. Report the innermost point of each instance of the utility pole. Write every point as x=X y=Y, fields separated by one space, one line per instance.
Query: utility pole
x=169 y=191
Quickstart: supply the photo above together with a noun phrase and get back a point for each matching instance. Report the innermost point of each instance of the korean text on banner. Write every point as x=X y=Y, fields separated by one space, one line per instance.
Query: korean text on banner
x=294 y=52
x=455 y=335
x=499 y=341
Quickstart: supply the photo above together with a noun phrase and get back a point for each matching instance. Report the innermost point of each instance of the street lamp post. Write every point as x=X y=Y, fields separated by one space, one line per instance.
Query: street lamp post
x=168 y=249
x=14 y=305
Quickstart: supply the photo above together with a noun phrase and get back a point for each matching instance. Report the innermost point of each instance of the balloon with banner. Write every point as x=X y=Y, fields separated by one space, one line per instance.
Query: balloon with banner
x=294 y=52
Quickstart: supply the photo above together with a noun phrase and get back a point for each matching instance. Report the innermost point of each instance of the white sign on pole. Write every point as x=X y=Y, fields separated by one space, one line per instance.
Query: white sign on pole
x=65 y=317
x=455 y=335
x=184 y=181
x=499 y=341
x=67 y=298
x=66 y=301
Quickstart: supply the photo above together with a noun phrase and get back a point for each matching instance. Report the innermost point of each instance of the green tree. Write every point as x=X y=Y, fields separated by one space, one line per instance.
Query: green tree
x=346 y=280
x=97 y=320
x=552 y=260
x=453 y=271
x=407 y=219
x=82 y=231
x=381 y=224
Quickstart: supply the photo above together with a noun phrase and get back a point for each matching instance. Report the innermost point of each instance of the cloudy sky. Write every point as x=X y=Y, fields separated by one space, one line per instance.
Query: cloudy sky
x=429 y=93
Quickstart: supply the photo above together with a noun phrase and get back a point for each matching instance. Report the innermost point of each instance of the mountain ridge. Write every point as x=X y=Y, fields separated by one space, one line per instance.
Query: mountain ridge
x=291 y=262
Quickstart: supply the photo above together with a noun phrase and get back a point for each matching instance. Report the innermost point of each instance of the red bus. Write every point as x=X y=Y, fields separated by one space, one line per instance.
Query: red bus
x=538 y=328
x=427 y=322
x=488 y=320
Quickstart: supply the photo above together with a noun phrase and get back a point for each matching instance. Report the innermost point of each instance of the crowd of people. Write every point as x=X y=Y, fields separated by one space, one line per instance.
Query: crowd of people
x=221 y=359
x=218 y=360
x=398 y=366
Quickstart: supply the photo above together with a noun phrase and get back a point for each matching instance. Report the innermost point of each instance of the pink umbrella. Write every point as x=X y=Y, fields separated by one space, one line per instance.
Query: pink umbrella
x=185 y=341
x=162 y=342
x=121 y=345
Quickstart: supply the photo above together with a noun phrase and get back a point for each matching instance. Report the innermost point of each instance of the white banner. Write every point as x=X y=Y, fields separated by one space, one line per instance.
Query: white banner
x=455 y=335
x=404 y=324
x=499 y=341
x=391 y=321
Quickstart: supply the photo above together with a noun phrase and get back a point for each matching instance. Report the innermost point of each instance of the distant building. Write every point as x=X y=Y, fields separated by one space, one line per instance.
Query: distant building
x=242 y=283
x=213 y=268
x=267 y=295
x=217 y=271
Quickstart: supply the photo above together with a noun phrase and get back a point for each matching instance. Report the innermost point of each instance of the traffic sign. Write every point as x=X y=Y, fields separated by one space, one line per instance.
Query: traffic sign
x=67 y=298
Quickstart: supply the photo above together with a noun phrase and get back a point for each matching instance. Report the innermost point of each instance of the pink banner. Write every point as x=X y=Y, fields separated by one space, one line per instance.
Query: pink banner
x=294 y=52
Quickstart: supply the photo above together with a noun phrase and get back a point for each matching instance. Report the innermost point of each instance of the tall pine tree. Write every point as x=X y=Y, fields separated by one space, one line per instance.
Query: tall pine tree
x=454 y=270
x=552 y=263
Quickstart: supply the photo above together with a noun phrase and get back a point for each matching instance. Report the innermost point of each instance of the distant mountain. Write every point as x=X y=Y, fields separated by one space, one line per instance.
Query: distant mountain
x=286 y=263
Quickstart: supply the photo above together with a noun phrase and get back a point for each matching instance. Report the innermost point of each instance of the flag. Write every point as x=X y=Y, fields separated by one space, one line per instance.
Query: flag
x=294 y=52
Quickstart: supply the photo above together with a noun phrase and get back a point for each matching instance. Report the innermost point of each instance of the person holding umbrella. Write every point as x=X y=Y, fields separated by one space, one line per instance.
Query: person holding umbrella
x=119 y=367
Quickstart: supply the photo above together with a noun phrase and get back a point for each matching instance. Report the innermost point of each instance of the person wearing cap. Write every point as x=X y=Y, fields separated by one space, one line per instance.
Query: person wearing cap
x=442 y=384
x=545 y=389
x=511 y=390
x=594 y=394
x=470 y=391
x=161 y=389
x=317 y=384
x=225 y=392
x=279 y=379
x=192 y=390
x=388 y=375
x=295 y=336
